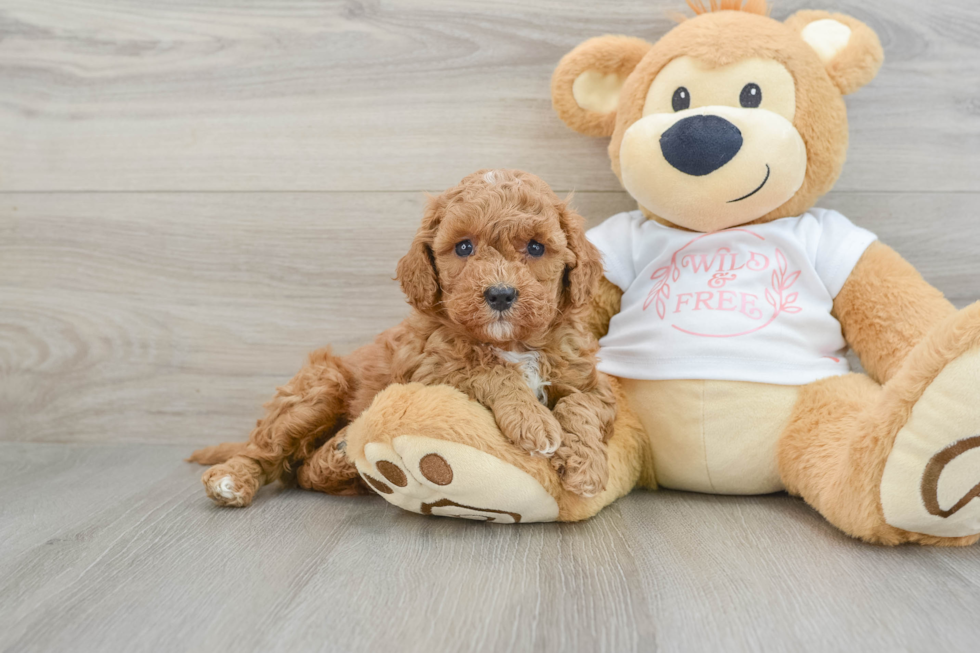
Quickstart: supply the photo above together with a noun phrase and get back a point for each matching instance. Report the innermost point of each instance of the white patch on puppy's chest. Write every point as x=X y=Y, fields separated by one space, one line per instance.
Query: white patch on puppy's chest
x=530 y=363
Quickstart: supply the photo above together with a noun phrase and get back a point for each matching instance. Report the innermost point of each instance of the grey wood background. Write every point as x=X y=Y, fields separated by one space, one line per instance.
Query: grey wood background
x=195 y=193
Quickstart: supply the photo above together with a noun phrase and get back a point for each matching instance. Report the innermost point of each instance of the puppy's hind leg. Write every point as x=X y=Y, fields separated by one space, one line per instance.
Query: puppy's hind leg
x=329 y=470
x=311 y=403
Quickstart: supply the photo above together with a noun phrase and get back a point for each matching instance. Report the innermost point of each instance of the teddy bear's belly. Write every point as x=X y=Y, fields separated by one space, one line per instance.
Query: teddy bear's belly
x=713 y=436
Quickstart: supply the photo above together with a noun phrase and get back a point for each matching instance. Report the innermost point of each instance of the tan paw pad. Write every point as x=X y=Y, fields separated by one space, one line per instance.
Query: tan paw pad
x=438 y=477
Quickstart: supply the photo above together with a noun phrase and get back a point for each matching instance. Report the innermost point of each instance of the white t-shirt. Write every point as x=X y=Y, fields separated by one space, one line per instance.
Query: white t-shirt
x=744 y=304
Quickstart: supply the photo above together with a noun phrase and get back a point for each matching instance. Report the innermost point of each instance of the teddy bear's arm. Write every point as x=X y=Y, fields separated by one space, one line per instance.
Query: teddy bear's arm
x=885 y=309
x=605 y=304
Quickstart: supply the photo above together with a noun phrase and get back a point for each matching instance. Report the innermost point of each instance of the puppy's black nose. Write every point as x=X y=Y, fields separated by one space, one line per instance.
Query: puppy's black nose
x=500 y=298
x=699 y=145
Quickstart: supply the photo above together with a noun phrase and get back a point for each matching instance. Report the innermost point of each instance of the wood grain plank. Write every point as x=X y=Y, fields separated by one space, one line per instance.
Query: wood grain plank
x=116 y=547
x=403 y=95
x=772 y=575
x=171 y=317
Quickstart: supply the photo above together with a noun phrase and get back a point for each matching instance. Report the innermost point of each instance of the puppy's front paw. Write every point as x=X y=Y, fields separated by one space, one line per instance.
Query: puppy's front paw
x=583 y=469
x=535 y=430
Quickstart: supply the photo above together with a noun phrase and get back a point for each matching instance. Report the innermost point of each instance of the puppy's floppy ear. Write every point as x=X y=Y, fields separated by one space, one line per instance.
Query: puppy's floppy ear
x=585 y=86
x=583 y=274
x=849 y=49
x=417 y=270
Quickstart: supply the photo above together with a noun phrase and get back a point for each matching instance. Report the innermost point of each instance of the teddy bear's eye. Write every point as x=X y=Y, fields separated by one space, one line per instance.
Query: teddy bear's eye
x=464 y=248
x=751 y=96
x=681 y=99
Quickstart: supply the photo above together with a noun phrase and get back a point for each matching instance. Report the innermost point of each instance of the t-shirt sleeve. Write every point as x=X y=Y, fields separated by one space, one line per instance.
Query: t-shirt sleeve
x=841 y=246
x=614 y=239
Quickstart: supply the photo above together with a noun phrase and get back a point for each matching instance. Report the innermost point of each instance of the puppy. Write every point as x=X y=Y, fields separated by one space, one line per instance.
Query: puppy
x=499 y=276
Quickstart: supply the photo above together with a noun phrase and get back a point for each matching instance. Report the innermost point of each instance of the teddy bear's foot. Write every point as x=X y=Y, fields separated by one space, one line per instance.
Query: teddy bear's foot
x=930 y=484
x=931 y=481
x=434 y=451
x=438 y=477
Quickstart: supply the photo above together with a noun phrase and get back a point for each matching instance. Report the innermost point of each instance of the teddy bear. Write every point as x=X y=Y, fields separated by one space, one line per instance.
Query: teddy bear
x=728 y=305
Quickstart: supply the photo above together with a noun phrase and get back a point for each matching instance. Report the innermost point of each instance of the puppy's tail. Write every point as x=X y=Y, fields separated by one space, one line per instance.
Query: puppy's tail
x=219 y=453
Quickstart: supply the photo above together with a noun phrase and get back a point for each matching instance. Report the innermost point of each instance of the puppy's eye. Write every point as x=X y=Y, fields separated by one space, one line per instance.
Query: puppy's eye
x=535 y=249
x=681 y=99
x=751 y=96
x=464 y=248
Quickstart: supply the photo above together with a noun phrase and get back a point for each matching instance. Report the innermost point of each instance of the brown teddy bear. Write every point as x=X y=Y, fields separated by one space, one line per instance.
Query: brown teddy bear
x=729 y=303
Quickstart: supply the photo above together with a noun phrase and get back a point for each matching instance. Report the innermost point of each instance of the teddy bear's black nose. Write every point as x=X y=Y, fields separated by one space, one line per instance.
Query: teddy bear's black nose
x=500 y=298
x=699 y=145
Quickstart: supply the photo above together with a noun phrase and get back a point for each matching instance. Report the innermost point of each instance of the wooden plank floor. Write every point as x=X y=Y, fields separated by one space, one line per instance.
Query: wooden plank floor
x=114 y=548
x=195 y=193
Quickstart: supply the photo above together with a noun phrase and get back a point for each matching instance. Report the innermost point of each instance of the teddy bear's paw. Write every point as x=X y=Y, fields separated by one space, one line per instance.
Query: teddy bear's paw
x=931 y=482
x=439 y=477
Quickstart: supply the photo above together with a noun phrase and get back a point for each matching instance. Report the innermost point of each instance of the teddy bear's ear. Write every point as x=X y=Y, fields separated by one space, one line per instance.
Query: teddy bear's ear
x=585 y=86
x=849 y=49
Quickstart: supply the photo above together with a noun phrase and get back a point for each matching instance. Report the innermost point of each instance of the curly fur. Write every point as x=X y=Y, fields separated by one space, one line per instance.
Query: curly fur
x=453 y=337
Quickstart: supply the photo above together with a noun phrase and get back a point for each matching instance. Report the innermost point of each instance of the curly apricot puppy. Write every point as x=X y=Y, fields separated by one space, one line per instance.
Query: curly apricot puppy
x=500 y=276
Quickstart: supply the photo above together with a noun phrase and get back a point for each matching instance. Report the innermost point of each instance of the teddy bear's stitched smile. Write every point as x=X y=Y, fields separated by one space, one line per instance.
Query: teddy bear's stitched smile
x=745 y=197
